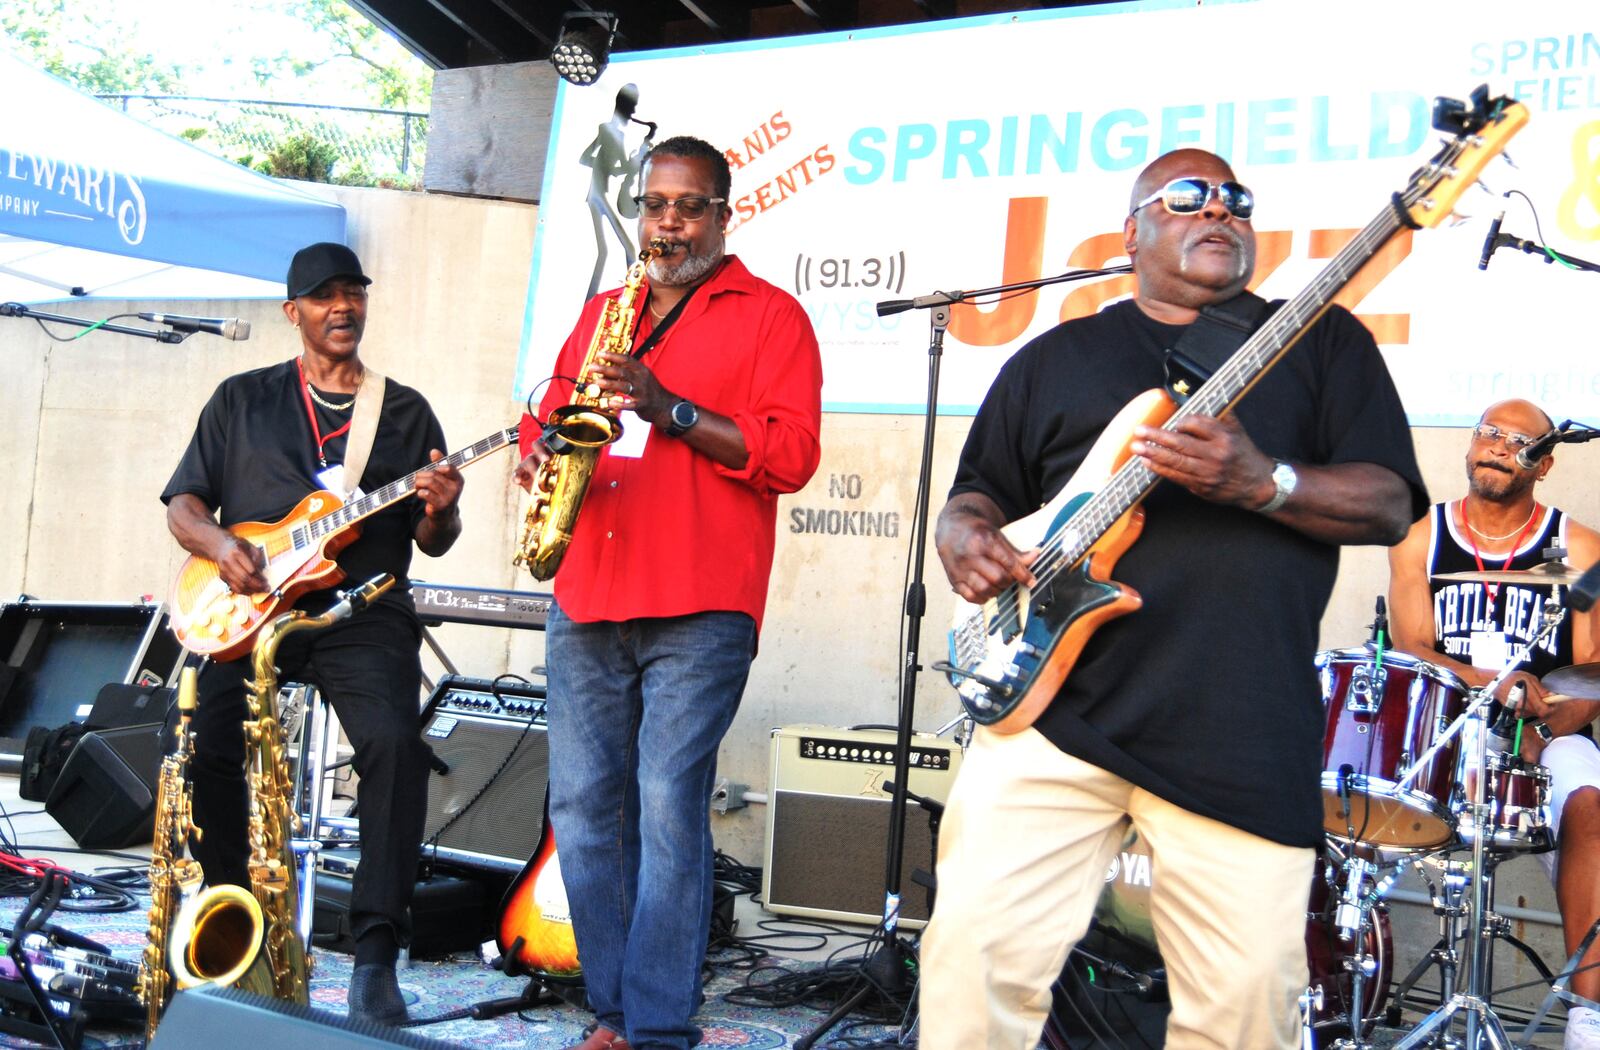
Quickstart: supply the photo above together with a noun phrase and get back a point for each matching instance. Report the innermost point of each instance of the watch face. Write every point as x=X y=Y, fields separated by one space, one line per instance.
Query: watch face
x=685 y=415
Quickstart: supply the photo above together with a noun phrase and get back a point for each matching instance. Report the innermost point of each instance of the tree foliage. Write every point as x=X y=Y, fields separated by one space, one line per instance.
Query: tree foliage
x=85 y=46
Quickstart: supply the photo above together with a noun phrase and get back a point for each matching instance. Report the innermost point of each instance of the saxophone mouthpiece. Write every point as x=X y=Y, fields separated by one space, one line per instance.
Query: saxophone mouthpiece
x=358 y=598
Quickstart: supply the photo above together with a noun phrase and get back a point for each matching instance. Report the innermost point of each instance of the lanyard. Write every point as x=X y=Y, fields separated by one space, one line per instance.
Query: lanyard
x=1493 y=591
x=311 y=414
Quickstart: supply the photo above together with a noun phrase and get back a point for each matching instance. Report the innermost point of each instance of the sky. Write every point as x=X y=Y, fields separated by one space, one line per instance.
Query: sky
x=215 y=40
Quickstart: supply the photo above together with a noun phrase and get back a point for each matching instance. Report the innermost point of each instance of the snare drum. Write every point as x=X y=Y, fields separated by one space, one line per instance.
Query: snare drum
x=1380 y=718
x=1516 y=791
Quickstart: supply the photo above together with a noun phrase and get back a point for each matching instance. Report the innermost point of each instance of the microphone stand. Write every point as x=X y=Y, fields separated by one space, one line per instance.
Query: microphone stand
x=19 y=310
x=1506 y=240
x=886 y=967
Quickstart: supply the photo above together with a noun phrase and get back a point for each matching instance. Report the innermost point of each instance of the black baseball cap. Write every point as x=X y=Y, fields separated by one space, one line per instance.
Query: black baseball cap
x=316 y=263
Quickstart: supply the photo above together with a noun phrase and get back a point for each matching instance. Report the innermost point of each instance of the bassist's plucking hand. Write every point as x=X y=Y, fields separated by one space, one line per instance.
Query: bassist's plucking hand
x=1212 y=458
x=977 y=557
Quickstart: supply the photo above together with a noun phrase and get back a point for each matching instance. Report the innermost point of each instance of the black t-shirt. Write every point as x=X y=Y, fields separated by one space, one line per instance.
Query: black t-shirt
x=1207 y=696
x=253 y=458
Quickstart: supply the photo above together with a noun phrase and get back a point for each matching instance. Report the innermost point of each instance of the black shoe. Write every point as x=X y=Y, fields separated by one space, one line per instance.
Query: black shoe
x=375 y=995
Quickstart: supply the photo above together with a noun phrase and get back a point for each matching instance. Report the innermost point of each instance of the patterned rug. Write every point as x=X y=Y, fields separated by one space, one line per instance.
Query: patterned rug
x=437 y=988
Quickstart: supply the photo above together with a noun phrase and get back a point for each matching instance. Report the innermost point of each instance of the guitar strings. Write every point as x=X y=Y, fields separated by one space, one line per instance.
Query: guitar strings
x=1134 y=479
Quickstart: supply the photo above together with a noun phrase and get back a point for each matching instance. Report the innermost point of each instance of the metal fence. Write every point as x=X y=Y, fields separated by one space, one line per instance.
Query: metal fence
x=371 y=145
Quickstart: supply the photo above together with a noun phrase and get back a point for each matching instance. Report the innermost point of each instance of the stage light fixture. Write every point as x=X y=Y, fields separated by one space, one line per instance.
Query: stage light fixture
x=584 y=46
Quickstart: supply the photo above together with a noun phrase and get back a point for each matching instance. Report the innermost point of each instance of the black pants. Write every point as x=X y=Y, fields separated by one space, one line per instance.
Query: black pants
x=368 y=668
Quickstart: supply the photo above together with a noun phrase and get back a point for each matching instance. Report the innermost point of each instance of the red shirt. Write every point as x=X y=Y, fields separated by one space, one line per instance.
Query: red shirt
x=674 y=532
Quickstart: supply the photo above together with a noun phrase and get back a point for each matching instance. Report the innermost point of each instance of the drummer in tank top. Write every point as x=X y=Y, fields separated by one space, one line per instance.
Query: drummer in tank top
x=1475 y=628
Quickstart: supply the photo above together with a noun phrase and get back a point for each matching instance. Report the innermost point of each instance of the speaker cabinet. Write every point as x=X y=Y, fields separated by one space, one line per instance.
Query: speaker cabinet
x=55 y=656
x=488 y=811
x=209 y=1017
x=105 y=796
x=828 y=822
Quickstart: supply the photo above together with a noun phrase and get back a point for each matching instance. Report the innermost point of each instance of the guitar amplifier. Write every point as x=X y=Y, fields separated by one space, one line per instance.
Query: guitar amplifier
x=828 y=822
x=488 y=811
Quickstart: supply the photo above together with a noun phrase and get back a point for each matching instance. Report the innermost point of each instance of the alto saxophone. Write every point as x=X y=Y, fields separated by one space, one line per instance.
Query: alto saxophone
x=228 y=935
x=576 y=432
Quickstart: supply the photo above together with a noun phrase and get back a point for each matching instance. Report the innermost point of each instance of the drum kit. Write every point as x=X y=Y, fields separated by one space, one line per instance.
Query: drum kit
x=1414 y=776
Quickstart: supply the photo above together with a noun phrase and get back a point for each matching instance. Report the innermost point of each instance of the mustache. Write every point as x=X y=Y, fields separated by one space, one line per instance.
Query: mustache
x=1221 y=230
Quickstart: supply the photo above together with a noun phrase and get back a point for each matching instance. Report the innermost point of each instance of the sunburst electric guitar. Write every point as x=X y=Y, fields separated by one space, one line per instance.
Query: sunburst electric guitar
x=210 y=619
x=534 y=934
x=1010 y=655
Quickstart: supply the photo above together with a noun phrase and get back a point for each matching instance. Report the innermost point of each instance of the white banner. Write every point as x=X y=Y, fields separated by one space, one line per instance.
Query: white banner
x=887 y=164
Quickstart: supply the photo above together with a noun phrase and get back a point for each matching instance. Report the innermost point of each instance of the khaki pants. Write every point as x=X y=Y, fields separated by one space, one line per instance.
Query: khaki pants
x=1026 y=838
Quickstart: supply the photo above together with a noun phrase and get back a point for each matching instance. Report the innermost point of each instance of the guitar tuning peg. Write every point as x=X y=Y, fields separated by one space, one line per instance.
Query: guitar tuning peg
x=1455 y=218
x=1507 y=158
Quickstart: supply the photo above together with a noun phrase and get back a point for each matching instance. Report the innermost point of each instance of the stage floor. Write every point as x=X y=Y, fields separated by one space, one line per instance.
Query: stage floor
x=437 y=988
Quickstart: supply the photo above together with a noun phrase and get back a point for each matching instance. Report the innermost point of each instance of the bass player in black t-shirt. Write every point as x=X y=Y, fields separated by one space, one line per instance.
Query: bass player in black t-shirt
x=1197 y=717
x=1473 y=628
x=265 y=440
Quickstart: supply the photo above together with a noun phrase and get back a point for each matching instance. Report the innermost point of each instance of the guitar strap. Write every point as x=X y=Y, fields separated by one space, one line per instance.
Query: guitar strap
x=363 y=428
x=1211 y=339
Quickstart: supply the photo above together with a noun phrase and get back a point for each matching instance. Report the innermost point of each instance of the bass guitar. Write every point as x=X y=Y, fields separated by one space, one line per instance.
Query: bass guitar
x=534 y=933
x=210 y=619
x=1010 y=655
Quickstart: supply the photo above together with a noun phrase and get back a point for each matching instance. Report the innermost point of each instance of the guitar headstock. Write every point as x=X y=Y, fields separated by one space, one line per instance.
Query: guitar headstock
x=1481 y=132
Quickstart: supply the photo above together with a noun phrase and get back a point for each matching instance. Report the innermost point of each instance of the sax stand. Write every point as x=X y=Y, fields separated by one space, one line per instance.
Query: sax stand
x=886 y=967
x=1482 y=1024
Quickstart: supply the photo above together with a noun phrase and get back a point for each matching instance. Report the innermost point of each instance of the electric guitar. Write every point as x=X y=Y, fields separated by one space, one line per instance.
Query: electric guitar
x=1010 y=655
x=534 y=933
x=210 y=619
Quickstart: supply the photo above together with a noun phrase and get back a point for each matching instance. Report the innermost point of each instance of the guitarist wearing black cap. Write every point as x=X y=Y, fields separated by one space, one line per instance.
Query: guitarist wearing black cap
x=267 y=440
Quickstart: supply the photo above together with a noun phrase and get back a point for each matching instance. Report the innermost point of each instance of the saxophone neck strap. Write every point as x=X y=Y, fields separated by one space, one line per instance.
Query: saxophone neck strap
x=660 y=330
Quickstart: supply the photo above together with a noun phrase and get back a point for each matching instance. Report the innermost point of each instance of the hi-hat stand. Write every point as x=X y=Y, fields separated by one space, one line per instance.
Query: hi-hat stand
x=885 y=970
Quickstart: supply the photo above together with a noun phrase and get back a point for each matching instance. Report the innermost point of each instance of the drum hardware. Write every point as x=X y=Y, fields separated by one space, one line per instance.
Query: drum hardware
x=1559 y=988
x=1482 y=1024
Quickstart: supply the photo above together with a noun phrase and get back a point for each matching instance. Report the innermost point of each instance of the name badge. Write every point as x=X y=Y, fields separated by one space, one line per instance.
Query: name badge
x=332 y=480
x=1489 y=650
x=635 y=434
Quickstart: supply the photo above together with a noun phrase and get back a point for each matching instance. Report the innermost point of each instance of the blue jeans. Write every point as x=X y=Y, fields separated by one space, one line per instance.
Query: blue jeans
x=637 y=710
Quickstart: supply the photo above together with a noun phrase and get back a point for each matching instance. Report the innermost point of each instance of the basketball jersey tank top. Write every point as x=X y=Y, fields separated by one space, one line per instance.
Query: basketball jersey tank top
x=1464 y=609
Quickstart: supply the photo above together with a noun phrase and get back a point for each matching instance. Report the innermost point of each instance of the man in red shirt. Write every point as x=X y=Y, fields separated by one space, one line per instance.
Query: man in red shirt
x=660 y=595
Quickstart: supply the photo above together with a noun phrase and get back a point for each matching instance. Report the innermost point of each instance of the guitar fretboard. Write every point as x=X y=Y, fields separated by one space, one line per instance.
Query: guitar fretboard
x=1134 y=480
x=313 y=532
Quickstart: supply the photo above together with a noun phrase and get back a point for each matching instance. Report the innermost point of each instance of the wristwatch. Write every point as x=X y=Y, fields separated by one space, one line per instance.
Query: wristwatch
x=681 y=418
x=1284 y=479
x=1543 y=729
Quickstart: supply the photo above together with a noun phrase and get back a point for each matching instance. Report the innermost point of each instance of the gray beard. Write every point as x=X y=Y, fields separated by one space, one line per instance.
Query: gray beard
x=692 y=269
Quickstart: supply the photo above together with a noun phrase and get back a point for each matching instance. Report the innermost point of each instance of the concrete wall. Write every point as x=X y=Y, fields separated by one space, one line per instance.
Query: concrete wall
x=92 y=430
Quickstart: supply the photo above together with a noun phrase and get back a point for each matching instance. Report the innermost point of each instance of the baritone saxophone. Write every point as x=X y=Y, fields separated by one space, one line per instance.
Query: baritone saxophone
x=576 y=432
x=228 y=935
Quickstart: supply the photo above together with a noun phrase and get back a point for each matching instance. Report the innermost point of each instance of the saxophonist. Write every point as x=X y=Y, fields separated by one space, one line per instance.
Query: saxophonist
x=264 y=441
x=660 y=595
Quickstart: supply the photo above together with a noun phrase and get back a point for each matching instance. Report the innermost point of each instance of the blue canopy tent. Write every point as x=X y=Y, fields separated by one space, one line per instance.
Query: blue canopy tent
x=93 y=203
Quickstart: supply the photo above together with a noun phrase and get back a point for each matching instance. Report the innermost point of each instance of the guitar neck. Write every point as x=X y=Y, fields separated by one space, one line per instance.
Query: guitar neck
x=398 y=489
x=1134 y=480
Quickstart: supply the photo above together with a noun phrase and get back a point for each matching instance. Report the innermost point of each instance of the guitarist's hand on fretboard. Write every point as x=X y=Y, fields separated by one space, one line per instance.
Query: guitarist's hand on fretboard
x=977 y=557
x=1212 y=458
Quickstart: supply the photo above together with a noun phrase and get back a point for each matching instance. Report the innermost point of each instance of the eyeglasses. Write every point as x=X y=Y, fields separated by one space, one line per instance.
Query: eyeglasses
x=688 y=208
x=1491 y=433
x=1189 y=195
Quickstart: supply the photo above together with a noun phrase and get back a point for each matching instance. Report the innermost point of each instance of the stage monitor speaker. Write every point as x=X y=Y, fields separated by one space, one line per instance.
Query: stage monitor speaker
x=105 y=795
x=55 y=656
x=487 y=812
x=209 y=1017
x=828 y=822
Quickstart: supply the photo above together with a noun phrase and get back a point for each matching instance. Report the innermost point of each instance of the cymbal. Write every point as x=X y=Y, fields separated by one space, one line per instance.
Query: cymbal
x=1549 y=573
x=1580 y=681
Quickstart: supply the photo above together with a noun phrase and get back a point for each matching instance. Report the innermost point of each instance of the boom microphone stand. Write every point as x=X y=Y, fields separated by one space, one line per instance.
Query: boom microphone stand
x=19 y=310
x=885 y=969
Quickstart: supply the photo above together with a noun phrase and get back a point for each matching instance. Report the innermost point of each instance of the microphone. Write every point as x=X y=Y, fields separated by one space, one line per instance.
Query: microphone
x=227 y=327
x=1489 y=242
x=1505 y=722
x=1529 y=457
x=1380 y=623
